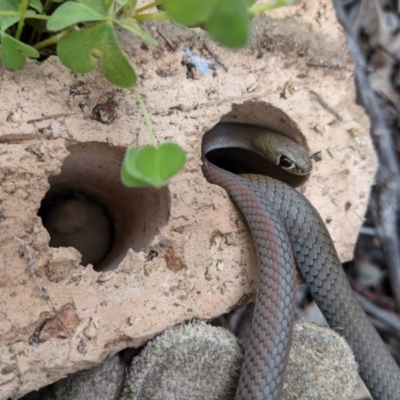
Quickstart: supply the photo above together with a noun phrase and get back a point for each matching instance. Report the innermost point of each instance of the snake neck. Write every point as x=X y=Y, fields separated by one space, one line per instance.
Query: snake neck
x=215 y=139
x=270 y=145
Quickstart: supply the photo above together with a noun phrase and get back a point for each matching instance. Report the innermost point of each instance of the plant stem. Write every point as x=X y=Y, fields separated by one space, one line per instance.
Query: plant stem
x=270 y=6
x=146 y=115
x=158 y=16
x=47 y=6
x=51 y=40
x=21 y=22
x=18 y=14
x=147 y=6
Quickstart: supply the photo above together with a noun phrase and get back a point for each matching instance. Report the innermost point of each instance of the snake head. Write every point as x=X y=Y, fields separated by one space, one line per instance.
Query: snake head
x=284 y=153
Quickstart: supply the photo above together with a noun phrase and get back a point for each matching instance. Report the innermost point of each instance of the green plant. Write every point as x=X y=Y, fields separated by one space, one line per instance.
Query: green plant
x=82 y=34
x=149 y=165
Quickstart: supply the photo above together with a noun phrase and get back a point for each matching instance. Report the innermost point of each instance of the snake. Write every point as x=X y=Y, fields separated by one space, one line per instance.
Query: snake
x=288 y=232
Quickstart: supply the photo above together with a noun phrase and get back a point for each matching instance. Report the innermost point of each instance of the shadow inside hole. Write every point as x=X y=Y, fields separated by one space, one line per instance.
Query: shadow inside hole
x=242 y=161
x=121 y=218
x=76 y=218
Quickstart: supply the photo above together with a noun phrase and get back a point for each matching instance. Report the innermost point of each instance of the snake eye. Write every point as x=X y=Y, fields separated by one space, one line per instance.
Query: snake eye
x=286 y=163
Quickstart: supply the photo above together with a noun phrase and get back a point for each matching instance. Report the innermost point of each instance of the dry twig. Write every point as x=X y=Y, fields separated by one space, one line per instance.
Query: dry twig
x=388 y=177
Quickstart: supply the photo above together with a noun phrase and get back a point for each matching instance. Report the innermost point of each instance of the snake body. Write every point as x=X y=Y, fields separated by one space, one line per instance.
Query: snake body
x=287 y=230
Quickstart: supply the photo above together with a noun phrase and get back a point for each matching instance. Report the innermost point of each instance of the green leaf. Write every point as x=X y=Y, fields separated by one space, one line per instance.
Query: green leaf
x=161 y=164
x=8 y=5
x=128 y=7
x=230 y=23
x=152 y=166
x=131 y=25
x=130 y=176
x=71 y=13
x=81 y=51
x=189 y=12
x=127 y=178
x=100 y=6
x=12 y=52
x=36 y=5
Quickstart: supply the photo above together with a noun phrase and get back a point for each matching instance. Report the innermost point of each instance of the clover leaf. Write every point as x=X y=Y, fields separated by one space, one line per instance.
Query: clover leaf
x=133 y=26
x=189 y=12
x=12 y=52
x=128 y=7
x=37 y=5
x=81 y=51
x=152 y=166
x=230 y=23
x=71 y=13
x=8 y=5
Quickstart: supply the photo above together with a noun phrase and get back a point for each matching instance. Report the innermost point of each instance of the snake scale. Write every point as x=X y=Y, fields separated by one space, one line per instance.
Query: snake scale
x=287 y=230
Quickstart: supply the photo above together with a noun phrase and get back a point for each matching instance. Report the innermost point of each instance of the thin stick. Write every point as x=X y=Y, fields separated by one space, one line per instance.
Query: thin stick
x=326 y=106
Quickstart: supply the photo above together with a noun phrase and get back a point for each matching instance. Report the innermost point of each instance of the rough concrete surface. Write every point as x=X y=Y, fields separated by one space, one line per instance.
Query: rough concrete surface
x=181 y=252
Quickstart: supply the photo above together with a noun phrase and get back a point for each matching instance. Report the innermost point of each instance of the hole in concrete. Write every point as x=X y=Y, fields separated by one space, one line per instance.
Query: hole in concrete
x=74 y=217
x=87 y=207
x=239 y=160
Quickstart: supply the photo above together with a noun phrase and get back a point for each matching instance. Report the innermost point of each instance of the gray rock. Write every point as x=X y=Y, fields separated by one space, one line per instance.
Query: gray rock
x=193 y=361
x=103 y=382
